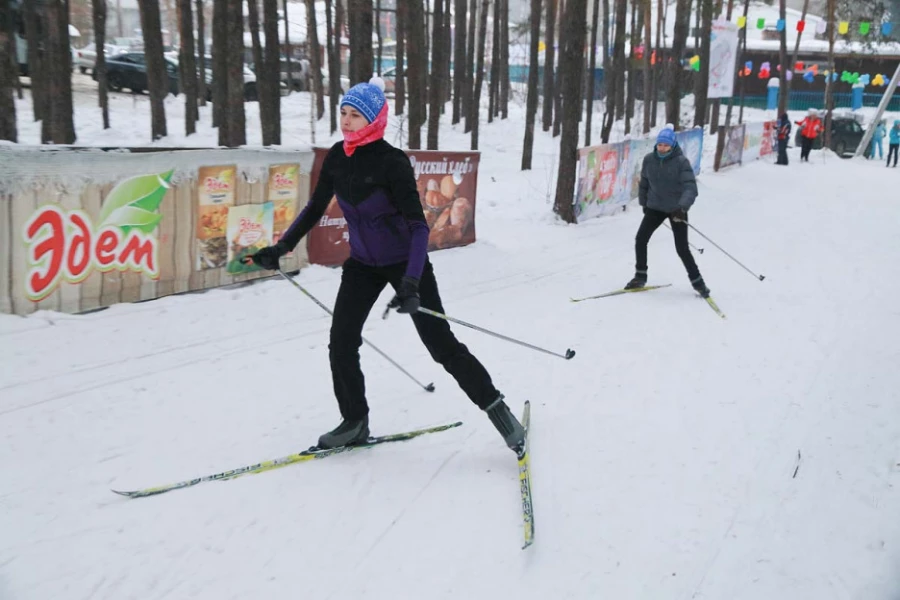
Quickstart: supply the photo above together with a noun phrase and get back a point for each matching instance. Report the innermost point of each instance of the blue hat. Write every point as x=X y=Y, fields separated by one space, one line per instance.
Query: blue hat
x=367 y=98
x=666 y=136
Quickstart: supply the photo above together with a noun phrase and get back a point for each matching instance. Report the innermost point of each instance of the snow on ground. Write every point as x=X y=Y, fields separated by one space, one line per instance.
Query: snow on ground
x=665 y=454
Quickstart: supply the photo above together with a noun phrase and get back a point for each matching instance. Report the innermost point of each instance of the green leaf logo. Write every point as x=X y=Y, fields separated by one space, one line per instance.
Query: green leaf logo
x=133 y=203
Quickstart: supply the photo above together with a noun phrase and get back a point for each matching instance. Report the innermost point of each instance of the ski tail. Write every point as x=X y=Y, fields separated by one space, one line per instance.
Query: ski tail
x=275 y=463
x=646 y=288
x=525 y=480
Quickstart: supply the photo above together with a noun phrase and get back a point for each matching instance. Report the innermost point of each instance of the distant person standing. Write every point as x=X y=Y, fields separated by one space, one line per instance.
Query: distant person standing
x=810 y=127
x=894 y=147
x=784 y=134
x=877 y=141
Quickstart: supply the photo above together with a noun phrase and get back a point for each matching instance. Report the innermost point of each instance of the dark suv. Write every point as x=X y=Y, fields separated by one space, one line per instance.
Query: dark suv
x=846 y=134
x=130 y=71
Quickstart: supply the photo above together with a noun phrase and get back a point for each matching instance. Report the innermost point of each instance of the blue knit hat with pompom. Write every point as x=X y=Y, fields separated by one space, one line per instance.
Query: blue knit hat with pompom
x=367 y=98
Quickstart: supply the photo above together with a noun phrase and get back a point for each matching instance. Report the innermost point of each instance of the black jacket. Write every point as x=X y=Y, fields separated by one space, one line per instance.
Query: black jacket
x=667 y=183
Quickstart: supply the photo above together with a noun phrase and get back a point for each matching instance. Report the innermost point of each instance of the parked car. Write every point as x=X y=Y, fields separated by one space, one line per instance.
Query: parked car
x=300 y=73
x=251 y=92
x=129 y=70
x=345 y=82
x=85 y=58
x=846 y=134
x=390 y=80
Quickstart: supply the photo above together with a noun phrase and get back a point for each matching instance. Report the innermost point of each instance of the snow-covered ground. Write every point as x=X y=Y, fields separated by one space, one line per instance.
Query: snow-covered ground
x=678 y=455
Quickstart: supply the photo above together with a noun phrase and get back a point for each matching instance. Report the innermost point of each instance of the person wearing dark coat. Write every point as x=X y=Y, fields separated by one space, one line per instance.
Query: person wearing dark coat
x=667 y=190
x=784 y=135
x=376 y=189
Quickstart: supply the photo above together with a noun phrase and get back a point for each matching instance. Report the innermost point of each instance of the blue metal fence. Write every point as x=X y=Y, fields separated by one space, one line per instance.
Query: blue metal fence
x=805 y=100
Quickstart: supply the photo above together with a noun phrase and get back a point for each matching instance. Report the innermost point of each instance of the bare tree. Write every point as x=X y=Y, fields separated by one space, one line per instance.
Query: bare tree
x=549 y=63
x=494 y=86
x=361 y=59
x=187 y=65
x=202 y=89
x=829 y=85
x=468 y=87
x=334 y=65
x=635 y=31
x=504 y=58
x=269 y=85
x=648 y=76
x=220 y=66
x=436 y=89
x=479 y=70
x=289 y=51
x=558 y=81
x=377 y=26
x=615 y=79
x=532 y=99
x=36 y=33
x=8 y=73
x=782 y=58
x=673 y=101
x=157 y=77
x=237 y=131
x=99 y=20
x=61 y=126
x=572 y=70
x=315 y=62
x=793 y=62
x=592 y=65
x=415 y=35
x=401 y=78
x=459 y=57
x=701 y=88
x=255 y=44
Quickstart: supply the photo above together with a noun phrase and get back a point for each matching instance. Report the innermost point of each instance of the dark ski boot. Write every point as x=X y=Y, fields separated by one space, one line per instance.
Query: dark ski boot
x=700 y=286
x=348 y=433
x=506 y=423
x=639 y=281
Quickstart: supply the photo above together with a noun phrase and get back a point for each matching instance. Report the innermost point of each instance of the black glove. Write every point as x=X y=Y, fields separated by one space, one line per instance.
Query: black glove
x=679 y=215
x=268 y=257
x=407 y=298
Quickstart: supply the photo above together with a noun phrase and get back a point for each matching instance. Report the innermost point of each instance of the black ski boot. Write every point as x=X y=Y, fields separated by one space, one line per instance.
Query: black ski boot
x=639 y=281
x=700 y=286
x=348 y=433
x=506 y=423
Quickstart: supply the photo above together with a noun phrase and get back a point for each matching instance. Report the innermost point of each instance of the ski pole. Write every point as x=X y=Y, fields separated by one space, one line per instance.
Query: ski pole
x=760 y=277
x=427 y=388
x=568 y=355
x=699 y=250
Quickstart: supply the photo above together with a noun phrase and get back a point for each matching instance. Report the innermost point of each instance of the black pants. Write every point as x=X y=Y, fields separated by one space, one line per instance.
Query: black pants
x=893 y=151
x=782 y=152
x=805 y=146
x=652 y=220
x=361 y=285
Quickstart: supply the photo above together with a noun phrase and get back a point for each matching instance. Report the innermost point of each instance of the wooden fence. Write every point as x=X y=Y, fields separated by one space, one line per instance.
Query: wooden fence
x=87 y=228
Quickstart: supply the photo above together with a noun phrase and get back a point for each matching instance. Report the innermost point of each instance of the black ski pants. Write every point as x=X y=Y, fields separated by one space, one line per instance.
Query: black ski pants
x=361 y=286
x=893 y=150
x=651 y=222
x=805 y=146
x=782 y=152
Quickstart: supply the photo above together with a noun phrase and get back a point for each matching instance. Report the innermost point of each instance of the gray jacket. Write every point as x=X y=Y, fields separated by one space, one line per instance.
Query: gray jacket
x=667 y=184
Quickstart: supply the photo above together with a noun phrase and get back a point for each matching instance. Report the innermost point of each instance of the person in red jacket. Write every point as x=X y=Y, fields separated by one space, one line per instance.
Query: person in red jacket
x=810 y=127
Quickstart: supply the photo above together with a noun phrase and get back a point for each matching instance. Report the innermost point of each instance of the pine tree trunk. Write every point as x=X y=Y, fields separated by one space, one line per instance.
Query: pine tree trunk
x=782 y=59
x=334 y=65
x=220 y=68
x=315 y=61
x=592 y=65
x=558 y=82
x=829 y=85
x=701 y=89
x=187 y=64
x=99 y=20
x=237 y=131
x=479 y=70
x=619 y=58
x=549 y=64
x=400 y=82
x=459 y=57
x=436 y=89
x=377 y=25
x=259 y=63
x=673 y=102
x=57 y=126
x=361 y=59
x=494 y=86
x=649 y=100
x=8 y=73
x=415 y=35
x=572 y=69
x=794 y=56
x=157 y=77
x=532 y=99
x=288 y=49
x=36 y=32
x=202 y=88
x=629 y=69
x=504 y=59
x=469 y=83
x=271 y=79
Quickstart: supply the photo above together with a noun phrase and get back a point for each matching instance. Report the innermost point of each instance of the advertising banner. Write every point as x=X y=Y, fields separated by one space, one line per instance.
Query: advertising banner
x=722 y=56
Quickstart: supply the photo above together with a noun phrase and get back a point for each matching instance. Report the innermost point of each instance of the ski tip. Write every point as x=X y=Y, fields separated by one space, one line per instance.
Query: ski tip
x=126 y=494
x=429 y=387
x=569 y=354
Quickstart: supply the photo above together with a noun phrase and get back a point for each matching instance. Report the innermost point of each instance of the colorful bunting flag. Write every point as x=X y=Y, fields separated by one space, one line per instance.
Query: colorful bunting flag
x=864 y=28
x=844 y=27
x=742 y=21
x=809 y=77
x=801 y=25
x=760 y=23
x=779 y=25
x=886 y=28
x=821 y=26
